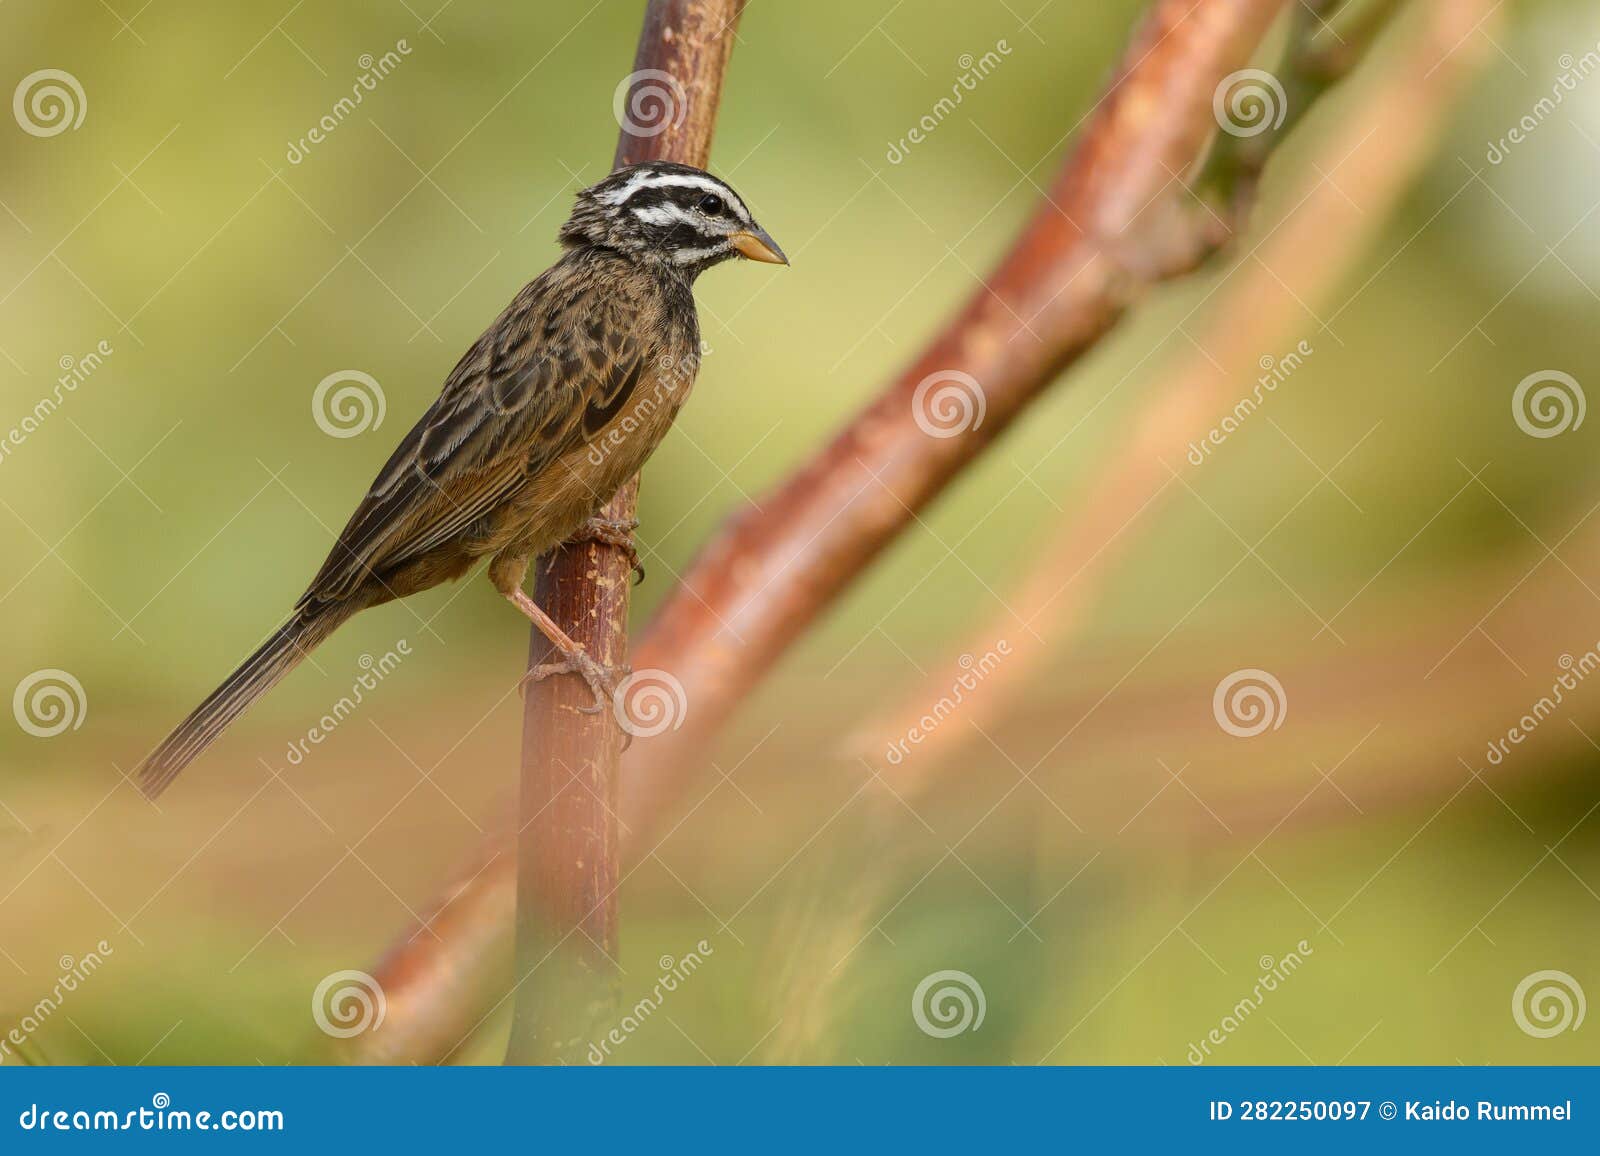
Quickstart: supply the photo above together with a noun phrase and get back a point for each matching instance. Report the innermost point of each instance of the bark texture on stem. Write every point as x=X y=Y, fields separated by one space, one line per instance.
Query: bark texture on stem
x=567 y=872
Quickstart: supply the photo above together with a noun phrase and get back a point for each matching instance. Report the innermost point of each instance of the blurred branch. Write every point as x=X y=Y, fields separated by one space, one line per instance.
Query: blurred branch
x=1115 y=223
x=1303 y=258
x=1267 y=107
x=452 y=964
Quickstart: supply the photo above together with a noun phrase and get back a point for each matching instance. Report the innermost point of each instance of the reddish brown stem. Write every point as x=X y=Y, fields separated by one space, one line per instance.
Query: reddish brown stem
x=567 y=870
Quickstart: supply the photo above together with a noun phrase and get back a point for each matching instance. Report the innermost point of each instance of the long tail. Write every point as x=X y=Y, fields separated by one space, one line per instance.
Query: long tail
x=256 y=675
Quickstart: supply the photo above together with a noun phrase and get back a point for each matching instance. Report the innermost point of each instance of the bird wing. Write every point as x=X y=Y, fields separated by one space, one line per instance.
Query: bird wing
x=514 y=403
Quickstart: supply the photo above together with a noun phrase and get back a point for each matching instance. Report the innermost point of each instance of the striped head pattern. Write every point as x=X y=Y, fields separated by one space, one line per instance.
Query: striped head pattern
x=667 y=212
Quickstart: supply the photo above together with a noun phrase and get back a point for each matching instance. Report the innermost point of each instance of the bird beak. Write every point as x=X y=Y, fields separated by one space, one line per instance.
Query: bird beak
x=758 y=246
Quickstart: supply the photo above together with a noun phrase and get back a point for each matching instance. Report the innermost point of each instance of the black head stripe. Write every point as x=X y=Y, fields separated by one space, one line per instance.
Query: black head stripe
x=686 y=236
x=646 y=198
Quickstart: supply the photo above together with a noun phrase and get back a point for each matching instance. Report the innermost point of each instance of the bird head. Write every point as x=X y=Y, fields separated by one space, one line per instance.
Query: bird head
x=675 y=214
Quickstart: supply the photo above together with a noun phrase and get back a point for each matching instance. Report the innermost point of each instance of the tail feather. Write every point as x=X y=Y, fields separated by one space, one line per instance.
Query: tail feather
x=256 y=675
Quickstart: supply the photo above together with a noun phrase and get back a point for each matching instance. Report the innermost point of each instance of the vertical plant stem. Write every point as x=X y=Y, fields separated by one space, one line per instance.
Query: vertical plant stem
x=567 y=873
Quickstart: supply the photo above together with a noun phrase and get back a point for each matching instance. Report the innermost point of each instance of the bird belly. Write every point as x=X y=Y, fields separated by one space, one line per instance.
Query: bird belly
x=572 y=489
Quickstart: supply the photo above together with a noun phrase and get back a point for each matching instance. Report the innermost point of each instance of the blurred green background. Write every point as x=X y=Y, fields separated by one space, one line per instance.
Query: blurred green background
x=160 y=521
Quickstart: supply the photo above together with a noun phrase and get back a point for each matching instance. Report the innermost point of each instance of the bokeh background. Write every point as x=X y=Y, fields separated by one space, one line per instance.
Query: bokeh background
x=1110 y=866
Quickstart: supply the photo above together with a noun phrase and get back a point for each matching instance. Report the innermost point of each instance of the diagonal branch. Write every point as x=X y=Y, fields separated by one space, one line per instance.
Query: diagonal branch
x=1261 y=311
x=1118 y=220
x=1305 y=254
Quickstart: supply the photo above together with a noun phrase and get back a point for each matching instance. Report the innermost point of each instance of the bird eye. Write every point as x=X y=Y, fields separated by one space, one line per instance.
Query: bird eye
x=711 y=205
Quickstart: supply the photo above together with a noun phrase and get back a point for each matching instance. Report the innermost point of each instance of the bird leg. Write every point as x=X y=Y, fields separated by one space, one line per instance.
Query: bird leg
x=575 y=659
x=616 y=532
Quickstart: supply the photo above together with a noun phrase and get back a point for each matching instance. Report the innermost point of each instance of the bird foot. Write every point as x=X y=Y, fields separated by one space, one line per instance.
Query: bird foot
x=616 y=532
x=602 y=681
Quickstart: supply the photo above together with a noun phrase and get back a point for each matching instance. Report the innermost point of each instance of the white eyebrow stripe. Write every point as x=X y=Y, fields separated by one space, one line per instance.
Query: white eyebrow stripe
x=656 y=180
x=682 y=181
x=664 y=214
